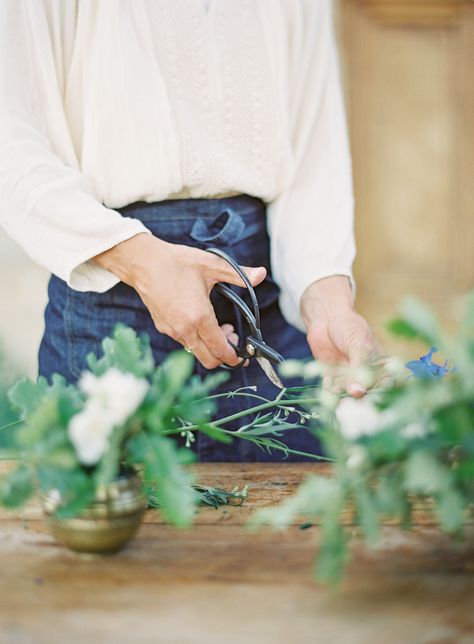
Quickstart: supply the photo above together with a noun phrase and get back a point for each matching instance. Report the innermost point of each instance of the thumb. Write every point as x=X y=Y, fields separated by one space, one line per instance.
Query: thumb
x=223 y=272
x=358 y=357
x=256 y=275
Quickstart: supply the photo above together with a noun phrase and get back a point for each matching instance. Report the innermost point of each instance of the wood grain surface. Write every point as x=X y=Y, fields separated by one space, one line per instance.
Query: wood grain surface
x=217 y=582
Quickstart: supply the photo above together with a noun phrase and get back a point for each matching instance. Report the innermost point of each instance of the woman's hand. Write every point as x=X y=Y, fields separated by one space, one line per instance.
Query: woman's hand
x=336 y=333
x=175 y=283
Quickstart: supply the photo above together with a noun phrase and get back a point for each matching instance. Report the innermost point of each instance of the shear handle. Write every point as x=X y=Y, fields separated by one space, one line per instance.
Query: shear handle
x=256 y=311
x=242 y=306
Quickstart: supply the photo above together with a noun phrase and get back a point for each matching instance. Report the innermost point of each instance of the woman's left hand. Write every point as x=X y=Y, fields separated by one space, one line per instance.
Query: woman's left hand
x=336 y=333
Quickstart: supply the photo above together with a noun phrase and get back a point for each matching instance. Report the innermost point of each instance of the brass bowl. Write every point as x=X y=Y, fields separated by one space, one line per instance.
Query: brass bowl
x=104 y=526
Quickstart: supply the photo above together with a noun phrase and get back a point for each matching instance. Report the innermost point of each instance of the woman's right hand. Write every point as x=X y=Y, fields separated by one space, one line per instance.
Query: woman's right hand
x=175 y=283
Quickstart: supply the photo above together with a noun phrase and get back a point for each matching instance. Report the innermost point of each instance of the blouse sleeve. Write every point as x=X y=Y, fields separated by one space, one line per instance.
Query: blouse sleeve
x=311 y=221
x=46 y=204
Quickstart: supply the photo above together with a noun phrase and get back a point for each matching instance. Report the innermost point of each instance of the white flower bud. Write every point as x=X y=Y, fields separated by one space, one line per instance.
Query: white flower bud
x=112 y=398
x=357 y=457
x=357 y=417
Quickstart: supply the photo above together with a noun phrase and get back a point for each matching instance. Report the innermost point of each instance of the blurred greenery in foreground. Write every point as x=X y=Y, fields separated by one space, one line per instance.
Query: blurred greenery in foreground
x=7 y=376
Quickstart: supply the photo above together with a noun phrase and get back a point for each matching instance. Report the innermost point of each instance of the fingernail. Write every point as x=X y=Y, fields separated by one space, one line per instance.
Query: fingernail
x=357 y=388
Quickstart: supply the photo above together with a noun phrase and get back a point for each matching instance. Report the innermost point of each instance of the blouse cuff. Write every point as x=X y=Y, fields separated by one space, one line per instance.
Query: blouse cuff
x=87 y=275
x=290 y=302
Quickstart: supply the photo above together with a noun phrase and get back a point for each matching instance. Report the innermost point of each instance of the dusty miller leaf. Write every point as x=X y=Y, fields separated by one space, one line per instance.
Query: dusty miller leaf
x=125 y=351
x=171 y=482
x=27 y=395
x=16 y=487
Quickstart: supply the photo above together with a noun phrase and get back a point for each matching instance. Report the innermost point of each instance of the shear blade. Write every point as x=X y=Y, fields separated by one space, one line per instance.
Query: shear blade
x=270 y=372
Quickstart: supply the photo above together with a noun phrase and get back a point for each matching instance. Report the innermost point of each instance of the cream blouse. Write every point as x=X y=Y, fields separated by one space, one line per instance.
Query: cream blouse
x=108 y=102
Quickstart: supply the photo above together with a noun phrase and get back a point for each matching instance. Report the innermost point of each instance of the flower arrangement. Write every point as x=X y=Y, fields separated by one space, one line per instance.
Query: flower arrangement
x=125 y=412
x=410 y=441
x=407 y=441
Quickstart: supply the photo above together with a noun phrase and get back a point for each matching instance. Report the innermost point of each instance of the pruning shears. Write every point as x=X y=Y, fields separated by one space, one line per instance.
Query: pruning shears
x=253 y=345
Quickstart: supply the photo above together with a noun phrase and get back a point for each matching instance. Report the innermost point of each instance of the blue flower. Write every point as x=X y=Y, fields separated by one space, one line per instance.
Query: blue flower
x=426 y=368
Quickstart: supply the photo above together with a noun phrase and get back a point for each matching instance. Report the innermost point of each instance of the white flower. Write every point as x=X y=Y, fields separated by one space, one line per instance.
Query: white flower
x=360 y=417
x=112 y=398
x=413 y=430
x=116 y=392
x=357 y=457
x=395 y=367
x=54 y=497
x=313 y=369
x=328 y=398
x=291 y=368
x=89 y=432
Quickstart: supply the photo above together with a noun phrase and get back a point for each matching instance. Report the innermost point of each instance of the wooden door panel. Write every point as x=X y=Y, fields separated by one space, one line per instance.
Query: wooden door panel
x=409 y=94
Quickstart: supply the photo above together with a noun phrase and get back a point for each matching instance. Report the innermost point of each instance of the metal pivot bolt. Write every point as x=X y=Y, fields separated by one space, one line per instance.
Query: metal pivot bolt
x=250 y=349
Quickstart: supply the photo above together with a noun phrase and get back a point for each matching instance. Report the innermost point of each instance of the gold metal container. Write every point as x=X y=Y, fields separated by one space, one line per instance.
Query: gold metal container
x=107 y=524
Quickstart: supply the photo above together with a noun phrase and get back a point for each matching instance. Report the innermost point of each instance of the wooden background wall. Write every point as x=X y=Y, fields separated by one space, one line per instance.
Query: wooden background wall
x=409 y=81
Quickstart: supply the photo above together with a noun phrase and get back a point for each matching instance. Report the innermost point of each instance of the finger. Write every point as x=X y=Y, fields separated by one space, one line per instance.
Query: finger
x=227 y=328
x=356 y=389
x=383 y=376
x=200 y=351
x=365 y=359
x=222 y=271
x=215 y=339
x=230 y=333
x=233 y=337
x=333 y=383
x=369 y=374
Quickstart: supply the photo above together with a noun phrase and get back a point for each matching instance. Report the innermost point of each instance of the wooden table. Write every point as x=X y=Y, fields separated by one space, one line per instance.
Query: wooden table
x=218 y=584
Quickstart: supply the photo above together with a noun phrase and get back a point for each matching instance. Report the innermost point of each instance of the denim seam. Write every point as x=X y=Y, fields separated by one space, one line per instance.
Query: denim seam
x=71 y=351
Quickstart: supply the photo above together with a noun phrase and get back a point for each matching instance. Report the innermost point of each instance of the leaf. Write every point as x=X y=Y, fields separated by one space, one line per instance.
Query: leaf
x=312 y=498
x=203 y=386
x=401 y=328
x=41 y=423
x=173 y=484
x=17 y=487
x=333 y=553
x=109 y=463
x=70 y=401
x=27 y=395
x=177 y=369
x=76 y=487
x=450 y=509
x=206 y=495
x=215 y=433
x=83 y=494
x=424 y=474
x=367 y=513
x=468 y=317
x=418 y=316
x=169 y=383
x=389 y=496
x=125 y=351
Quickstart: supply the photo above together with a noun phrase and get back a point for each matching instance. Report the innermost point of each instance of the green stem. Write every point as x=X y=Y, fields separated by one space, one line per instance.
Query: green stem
x=287 y=450
x=234 y=395
x=254 y=410
x=247 y=412
x=11 y=456
x=15 y=422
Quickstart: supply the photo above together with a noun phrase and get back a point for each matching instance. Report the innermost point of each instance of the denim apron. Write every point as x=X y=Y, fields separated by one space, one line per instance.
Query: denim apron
x=76 y=322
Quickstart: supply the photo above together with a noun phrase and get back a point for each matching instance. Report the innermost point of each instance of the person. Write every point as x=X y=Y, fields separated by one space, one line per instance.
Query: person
x=136 y=134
